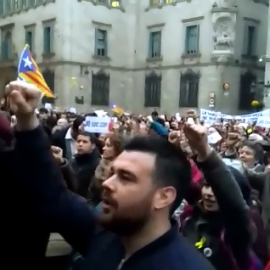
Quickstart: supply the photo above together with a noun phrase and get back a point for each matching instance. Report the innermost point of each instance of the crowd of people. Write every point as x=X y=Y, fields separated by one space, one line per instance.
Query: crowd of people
x=151 y=194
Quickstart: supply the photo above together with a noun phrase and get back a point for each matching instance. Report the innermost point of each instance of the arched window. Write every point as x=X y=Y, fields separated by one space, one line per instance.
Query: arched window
x=247 y=91
x=49 y=79
x=100 y=89
x=152 y=90
x=189 y=89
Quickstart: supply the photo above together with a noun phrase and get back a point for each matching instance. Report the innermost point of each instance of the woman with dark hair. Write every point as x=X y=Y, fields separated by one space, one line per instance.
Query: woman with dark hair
x=113 y=146
x=251 y=154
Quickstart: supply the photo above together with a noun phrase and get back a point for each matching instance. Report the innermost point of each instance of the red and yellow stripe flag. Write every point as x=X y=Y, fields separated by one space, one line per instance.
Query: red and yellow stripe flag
x=28 y=71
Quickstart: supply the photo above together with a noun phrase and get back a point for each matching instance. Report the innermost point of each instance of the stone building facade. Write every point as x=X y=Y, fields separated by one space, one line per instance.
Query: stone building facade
x=266 y=60
x=140 y=55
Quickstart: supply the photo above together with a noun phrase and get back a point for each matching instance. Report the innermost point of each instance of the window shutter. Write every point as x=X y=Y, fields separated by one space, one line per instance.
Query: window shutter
x=198 y=39
x=96 y=41
x=106 y=43
x=44 y=40
x=150 y=45
x=187 y=40
x=245 y=39
x=159 y=43
x=255 y=38
x=51 y=33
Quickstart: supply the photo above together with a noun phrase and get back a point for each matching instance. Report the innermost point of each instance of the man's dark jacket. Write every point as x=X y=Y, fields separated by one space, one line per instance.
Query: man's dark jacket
x=71 y=216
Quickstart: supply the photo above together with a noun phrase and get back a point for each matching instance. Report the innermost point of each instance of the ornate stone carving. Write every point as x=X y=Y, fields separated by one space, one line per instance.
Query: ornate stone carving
x=224 y=32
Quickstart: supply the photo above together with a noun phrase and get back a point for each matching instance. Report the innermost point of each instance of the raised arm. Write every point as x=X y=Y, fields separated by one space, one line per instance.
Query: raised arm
x=233 y=208
x=62 y=211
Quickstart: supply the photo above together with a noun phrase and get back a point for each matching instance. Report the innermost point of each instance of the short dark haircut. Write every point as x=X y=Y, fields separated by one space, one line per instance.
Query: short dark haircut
x=172 y=167
x=256 y=148
x=77 y=122
x=43 y=110
x=161 y=121
x=91 y=136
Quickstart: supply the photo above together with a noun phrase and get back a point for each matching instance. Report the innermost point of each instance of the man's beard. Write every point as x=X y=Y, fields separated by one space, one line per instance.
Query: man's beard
x=127 y=222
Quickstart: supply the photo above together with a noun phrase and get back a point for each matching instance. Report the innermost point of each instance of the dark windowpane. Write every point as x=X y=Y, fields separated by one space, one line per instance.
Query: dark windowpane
x=49 y=79
x=189 y=90
x=152 y=91
x=6 y=48
x=155 y=44
x=250 y=40
x=101 y=42
x=47 y=40
x=29 y=39
x=100 y=89
x=246 y=95
x=192 y=39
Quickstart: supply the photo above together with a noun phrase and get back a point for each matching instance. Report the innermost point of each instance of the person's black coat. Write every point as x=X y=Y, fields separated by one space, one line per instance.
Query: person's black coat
x=59 y=140
x=84 y=167
x=71 y=216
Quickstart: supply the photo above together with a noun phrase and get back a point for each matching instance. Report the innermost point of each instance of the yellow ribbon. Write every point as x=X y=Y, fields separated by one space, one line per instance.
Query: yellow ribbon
x=200 y=243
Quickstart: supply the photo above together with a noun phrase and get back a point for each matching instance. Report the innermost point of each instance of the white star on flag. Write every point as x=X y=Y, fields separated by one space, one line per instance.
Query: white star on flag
x=27 y=62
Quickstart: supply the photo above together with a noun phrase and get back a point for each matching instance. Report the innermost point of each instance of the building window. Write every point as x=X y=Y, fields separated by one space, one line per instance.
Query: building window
x=23 y=3
x=102 y=2
x=32 y=3
x=115 y=3
x=250 y=38
x=192 y=39
x=152 y=90
x=8 y=6
x=100 y=89
x=6 y=48
x=189 y=89
x=168 y=1
x=1 y=7
x=101 y=43
x=154 y=2
x=246 y=91
x=29 y=39
x=16 y=5
x=48 y=40
x=49 y=77
x=155 y=44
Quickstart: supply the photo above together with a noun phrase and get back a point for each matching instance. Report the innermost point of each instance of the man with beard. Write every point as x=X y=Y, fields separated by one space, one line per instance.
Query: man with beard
x=147 y=183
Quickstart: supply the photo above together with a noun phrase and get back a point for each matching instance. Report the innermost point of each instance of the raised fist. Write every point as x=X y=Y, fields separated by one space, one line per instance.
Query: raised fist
x=57 y=153
x=23 y=97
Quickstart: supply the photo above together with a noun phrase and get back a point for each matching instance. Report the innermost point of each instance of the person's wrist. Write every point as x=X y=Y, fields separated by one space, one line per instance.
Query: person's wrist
x=27 y=122
x=62 y=162
x=204 y=153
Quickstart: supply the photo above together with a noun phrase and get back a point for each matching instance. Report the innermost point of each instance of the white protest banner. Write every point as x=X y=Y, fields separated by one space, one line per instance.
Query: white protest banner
x=263 y=122
x=97 y=124
x=211 y=116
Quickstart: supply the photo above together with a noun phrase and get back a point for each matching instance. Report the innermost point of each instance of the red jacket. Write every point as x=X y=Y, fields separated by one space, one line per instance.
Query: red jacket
x=267 y=266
